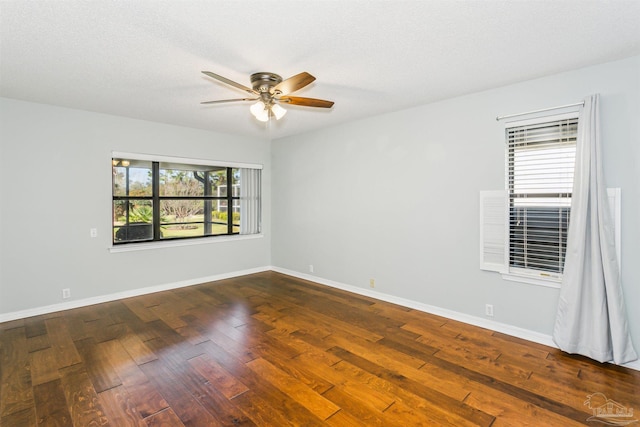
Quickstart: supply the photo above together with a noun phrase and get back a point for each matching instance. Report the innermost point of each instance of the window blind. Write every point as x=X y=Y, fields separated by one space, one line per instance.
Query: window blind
x=541 y=158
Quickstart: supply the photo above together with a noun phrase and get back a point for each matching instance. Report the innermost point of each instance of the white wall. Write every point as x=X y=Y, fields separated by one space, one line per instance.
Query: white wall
x=395 y=197
x=55 y=184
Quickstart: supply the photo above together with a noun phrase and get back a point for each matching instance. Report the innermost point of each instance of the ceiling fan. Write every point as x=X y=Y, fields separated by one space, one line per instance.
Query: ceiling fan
x=269 y=90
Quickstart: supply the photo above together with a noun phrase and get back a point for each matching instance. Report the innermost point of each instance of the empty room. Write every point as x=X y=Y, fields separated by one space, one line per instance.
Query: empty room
x=307 y=213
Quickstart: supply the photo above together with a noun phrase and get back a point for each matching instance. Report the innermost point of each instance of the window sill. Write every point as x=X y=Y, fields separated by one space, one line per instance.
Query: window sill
x=181 y=242
x=539 y=279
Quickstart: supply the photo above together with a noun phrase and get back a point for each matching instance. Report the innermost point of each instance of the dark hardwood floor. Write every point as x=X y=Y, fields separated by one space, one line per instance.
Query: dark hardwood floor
x=272 y=350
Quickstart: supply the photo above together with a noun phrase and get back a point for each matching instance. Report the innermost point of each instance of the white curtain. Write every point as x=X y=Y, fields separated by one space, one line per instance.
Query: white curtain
x=250 y=188
x=591 y=319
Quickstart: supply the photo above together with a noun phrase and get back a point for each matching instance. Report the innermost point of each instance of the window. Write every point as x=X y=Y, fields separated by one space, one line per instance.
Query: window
x=524 y=228
x=165 y=199
x=540 y=165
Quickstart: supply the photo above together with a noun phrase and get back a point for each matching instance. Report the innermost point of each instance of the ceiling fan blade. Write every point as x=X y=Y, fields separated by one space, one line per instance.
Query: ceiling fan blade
x=294 y=83
x=220 y=101
x=230 y=82
x=306 y=102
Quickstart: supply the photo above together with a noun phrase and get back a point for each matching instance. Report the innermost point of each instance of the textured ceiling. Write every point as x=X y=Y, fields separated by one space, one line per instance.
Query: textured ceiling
x=143 y=59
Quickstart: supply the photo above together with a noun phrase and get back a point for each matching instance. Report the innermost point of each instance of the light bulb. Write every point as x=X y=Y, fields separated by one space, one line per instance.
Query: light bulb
x=278 y=111
x=257 y=108
x=259 y=111
x=263 y=116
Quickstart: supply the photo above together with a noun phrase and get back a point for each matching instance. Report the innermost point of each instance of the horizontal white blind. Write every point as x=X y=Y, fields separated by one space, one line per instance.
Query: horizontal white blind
x=541 y=159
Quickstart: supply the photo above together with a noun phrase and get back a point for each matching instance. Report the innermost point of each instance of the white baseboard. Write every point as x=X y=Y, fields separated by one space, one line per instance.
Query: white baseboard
x=6 y=317
x=504 y=328
x=633 y=365
x=450 y=314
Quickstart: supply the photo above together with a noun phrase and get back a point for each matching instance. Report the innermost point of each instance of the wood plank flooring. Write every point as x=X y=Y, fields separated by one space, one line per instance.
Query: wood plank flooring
x=272 y=350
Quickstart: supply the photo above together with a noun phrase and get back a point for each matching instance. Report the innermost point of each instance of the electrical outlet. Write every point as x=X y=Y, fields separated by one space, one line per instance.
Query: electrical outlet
x=488 y=310
x=372 y=283
x=93 y=232
x=66 y=293
x=310 y=268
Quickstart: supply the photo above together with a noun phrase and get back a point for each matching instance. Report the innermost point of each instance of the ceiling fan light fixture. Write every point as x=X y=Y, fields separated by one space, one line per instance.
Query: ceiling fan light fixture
x=278 y=111
x=260 y=111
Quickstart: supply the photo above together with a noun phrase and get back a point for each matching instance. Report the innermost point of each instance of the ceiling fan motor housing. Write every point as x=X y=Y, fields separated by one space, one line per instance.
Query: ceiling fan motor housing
x=263 y=82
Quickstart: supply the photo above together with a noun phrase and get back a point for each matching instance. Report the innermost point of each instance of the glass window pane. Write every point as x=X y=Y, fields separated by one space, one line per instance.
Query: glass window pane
x=132 y=220
x=131 y=178
x=218 y=223
x=119 y=212
x=236 y=182
x=217 y=181
x=192 y=180
x=181 y=218
x=180 y=183
x=216 y=211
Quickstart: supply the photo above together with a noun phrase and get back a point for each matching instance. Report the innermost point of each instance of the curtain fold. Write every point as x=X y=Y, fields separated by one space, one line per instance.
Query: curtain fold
x=591 y=318
x=250 y=188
